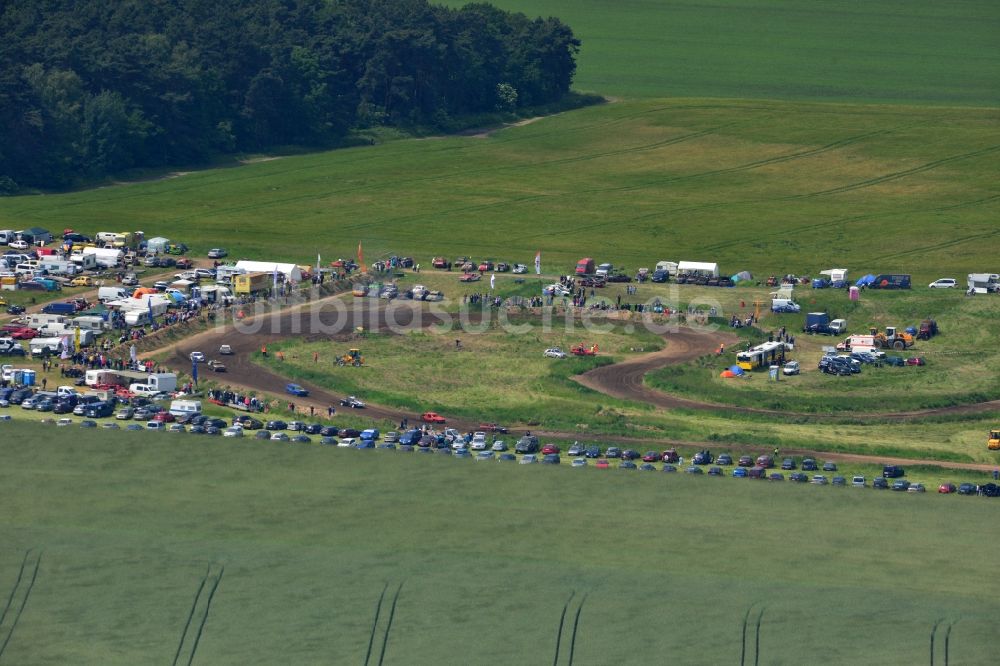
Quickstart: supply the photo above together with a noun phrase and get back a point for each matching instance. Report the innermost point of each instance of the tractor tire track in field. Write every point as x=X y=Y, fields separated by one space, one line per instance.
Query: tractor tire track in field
x=559 y=630
x=192 y=646
x=934 y=629
x=22 y=591
x=378 y=612
x=576 y=625
x=204 y=618
x=889 y=177
x=947 y=641
x=13 y=590
x=743 y=640
x=388 y=624
x=756 y=643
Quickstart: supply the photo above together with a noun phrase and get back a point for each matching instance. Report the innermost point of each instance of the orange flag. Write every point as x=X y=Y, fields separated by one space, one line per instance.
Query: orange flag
x=361 y=259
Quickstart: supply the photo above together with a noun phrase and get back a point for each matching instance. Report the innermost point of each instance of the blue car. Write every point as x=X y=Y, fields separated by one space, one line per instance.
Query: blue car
x=295 y=389
x=740 y=472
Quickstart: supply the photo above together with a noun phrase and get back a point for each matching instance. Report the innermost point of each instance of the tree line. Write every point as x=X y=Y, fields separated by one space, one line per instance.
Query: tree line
x=93 y=87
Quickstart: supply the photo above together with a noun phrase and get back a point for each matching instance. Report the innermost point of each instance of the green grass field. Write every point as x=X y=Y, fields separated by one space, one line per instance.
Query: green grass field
x=777 y=137
x=918 y=51
x=772 y=187
x=306 y=538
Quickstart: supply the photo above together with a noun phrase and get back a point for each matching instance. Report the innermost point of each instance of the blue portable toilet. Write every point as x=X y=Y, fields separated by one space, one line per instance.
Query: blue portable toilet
x=28 y=377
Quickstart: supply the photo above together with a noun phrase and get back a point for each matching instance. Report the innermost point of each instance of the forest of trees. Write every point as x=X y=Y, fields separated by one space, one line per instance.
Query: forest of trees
x=94 y=87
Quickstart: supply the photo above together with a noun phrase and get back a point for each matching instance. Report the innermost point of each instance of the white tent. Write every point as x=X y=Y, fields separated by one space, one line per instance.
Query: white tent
x=291 y=272
x=157 y=245
x=699 y=267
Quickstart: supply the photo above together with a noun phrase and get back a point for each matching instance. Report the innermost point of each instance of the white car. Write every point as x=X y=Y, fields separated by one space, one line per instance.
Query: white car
x=197 y=357
x=943 y=283
x=499 y=446
x=19 y=245
x=64 y=422
x=791 y=368
x=226 y=350
x=348 y=443
x=217 y=253
x=478 y=441
x=234 y=431
x=554 y=352
x=519 y=269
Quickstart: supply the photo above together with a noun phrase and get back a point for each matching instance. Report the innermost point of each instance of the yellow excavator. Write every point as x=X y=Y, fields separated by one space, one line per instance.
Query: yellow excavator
x=352 y=357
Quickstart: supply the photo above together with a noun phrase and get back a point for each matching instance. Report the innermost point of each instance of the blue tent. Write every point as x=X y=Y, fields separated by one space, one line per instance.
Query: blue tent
x=736 y=370
x=865 y=280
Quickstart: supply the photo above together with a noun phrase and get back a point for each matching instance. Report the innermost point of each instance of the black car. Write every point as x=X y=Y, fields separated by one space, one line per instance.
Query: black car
x=967 y=489
x=839 y=481
x=627 y=464
x=350 y=432
x=892 y=472
x=213 y=422
x=15 y=309
x=788 y=464
x=276 y=424
x=667 y=467
x=715 y=471
x=313 y=428
x=63 y=407
x=799 y=477
x=880 y=482
x=248 y=422
x=333 y=431
x=527 y=444
x=829 y=466
x=593 y=452
x=702 y=458
x=776 y=476
x=577 y=449
x=745 y=461
x=550 y=459
x=613 y=452
x=631 y=454
x=724 y=459
x=197 y=430
x=989 y=490
x=809 y=465
x=901 y=485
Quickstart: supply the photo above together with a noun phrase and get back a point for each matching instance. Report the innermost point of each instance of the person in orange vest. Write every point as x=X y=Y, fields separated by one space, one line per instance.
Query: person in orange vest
x=263 y=351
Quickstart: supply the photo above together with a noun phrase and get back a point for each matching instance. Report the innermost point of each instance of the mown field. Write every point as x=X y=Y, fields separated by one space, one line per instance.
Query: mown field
x=297 y=543
x=918 y=51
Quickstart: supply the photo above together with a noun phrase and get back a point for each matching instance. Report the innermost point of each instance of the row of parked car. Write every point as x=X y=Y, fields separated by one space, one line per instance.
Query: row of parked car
x=476 y=445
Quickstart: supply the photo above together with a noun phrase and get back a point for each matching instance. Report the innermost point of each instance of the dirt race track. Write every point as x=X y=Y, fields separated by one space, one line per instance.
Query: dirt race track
x=623 y=380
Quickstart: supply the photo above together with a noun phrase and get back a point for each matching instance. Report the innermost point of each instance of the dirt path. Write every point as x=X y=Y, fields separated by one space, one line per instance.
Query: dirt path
x=623 y=380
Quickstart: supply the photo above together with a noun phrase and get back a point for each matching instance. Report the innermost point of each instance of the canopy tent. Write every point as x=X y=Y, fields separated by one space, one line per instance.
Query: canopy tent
x=157 y=245
x=291 y=272
x=742 y=276
x=700 y=267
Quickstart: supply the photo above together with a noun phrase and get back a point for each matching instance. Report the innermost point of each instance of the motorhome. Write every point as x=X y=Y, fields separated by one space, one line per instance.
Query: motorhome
x=185 y=407
x=90 y=323
x=44 y=346
x=105 y=257
x=39 y=319
x=983 y=283
x=57 y=266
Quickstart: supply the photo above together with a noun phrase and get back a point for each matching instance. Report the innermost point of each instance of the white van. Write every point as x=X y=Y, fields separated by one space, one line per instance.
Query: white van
x=144 y=390
x=784 y=305
x=7 y=235
x=105 y=294
x=184 y=407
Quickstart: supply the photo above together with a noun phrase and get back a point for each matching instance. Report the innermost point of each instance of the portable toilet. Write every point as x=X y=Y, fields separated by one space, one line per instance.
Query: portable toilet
x=28 y=377
x=854 y=293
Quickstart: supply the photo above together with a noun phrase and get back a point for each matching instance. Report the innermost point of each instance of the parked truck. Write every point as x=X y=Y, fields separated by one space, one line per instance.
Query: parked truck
x=993 y=443
x=928 y=329
x=820 y=323
x=252 y=283
x=585 y=266
x=983 y=283
x=891 y=281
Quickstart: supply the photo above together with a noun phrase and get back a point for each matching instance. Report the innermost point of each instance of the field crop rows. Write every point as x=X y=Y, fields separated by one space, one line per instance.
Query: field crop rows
x=305 y=565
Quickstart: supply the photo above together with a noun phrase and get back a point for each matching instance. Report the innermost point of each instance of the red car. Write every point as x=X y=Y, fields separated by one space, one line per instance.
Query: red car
x=184 y=263
x=470 y=277
x=651 y=456
x=23 y=333
x=583 y=350
x=549 y=448
x=602 y=463
x=492 y=427
x=485 y=266
x=164 y=417
x=432 y=417
x=946 y=488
